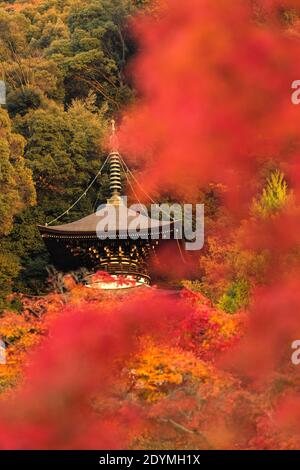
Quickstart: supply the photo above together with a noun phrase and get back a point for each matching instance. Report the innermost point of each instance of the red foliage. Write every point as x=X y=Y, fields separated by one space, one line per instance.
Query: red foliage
x=80 y=360
x=209 y=332
x=274 y=323
x=215 y=101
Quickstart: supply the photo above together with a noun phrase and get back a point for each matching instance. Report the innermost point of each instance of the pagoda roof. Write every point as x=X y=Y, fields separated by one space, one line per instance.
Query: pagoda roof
x=87 y=226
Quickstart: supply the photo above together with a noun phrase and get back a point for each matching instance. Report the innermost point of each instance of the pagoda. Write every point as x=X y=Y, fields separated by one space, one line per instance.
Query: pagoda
x=80 y=243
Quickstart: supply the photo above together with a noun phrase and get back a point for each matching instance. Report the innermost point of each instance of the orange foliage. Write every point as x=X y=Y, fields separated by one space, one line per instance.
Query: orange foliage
x=19 y=6
x=102 y=362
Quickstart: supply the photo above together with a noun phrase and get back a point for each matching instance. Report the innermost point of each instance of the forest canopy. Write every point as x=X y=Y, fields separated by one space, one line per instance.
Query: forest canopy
x=64 y=65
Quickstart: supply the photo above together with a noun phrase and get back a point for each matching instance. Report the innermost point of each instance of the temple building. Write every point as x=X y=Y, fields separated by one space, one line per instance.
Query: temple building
x=112 y=248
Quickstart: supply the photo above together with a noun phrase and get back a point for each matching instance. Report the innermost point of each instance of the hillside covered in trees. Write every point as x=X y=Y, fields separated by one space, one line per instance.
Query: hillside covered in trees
x=64 y=64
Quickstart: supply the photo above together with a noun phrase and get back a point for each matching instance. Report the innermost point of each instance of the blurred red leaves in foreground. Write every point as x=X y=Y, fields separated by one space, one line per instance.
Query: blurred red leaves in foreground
x=146 y=369
x=216 y=107
x=215 y=97
x=78 y=362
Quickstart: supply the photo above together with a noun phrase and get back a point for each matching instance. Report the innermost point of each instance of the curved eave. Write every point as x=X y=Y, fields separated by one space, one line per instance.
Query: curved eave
x=48 y=232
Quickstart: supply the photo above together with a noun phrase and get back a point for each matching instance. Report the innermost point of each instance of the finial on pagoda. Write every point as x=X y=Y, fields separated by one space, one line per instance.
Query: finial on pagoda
x=2 y=92
x=115 y=185
x=114 y=144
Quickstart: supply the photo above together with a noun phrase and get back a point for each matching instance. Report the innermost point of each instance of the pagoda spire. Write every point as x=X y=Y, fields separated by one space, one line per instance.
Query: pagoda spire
x=115 y=184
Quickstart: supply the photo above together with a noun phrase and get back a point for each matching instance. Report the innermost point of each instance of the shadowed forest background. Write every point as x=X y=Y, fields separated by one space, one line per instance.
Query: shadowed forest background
x=64 y=66
x=204 y=114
